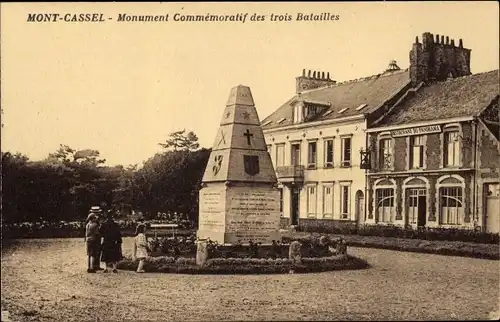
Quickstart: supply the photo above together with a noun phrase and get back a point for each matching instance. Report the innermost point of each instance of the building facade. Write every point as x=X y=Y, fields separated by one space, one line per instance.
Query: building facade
x=435 y=154
x=315 y=140
x=414 y=147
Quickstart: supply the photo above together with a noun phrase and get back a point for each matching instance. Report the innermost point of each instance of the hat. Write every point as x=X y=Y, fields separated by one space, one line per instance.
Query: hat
x=95 y=209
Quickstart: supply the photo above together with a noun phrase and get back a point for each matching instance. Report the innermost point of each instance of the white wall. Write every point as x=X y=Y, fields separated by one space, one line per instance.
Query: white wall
x=320 y=177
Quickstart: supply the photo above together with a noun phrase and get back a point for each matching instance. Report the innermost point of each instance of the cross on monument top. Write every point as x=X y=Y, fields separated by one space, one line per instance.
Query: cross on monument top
x=248 y=135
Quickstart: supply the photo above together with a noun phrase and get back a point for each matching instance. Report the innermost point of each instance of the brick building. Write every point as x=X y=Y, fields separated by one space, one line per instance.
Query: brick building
x=435 y=153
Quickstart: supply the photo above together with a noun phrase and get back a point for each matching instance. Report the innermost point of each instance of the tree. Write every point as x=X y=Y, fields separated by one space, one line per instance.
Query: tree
x=170 y=182
x=67 y=155
x=179 y=140
x=125 y=192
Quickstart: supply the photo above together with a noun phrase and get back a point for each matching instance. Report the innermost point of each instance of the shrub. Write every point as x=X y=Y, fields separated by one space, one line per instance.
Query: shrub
x=464 y=235
x=62 y=229
x=484 y=251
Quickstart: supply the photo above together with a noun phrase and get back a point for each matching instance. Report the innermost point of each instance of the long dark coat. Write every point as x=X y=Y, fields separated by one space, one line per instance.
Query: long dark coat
x=111 y=243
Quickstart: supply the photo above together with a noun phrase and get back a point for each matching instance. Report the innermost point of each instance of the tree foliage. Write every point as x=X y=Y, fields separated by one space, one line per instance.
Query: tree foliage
x=180 y=140
x=68 y=182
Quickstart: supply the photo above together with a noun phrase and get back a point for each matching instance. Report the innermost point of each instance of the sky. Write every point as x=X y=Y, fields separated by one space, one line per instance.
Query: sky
x=122 y=87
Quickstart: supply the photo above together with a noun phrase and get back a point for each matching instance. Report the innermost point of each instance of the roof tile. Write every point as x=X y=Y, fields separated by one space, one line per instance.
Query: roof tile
x=463 y=96
x=373 y=91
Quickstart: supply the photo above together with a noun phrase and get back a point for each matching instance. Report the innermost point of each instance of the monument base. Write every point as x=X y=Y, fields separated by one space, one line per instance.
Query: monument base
x=239 y=213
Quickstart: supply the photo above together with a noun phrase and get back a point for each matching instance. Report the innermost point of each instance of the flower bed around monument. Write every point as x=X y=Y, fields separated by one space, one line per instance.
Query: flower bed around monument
x=182 y=265
x=312 y=255
x=186 y=247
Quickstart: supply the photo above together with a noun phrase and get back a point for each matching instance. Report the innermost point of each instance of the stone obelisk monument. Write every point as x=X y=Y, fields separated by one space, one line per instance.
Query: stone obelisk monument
x=239 y=200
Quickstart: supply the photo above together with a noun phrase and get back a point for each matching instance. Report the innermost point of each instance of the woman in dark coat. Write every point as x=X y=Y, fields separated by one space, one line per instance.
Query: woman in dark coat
x=111 y=243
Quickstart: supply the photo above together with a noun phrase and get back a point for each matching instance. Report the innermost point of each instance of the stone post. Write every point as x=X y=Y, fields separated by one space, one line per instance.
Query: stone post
x=201 y=253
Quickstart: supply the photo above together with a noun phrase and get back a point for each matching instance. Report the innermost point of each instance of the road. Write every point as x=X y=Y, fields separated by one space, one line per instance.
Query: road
x=46 y=280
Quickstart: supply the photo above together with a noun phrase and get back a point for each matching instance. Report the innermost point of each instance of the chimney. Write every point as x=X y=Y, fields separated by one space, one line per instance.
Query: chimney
x=317 y=80
x=435 y=59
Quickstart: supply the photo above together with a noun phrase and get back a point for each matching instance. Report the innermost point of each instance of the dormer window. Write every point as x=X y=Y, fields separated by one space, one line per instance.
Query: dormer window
x=308 y=110
x=281 y=120
x=311 y=111
x=267 y=123
x=328 y=113
x=342 y=110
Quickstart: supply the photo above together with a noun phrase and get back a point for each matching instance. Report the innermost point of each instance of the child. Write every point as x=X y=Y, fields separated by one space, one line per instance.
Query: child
x=93 y=240
x=141 y=247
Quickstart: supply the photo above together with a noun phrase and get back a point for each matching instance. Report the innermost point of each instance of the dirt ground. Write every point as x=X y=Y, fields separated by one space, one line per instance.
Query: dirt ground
x=46 y=280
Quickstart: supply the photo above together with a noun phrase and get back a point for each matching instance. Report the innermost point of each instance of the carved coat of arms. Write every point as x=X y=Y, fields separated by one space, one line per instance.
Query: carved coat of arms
x=251 y=163
x=217 y=164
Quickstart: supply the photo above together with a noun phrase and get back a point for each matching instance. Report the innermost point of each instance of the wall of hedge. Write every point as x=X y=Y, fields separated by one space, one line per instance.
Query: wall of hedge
x=329 y=226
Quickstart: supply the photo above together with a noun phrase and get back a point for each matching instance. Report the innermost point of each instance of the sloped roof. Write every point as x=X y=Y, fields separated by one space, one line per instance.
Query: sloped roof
x=463 y=96
x=373 y=91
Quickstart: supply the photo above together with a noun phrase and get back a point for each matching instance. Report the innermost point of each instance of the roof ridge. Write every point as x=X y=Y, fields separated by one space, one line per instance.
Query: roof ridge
x=356 y=80
x=453 y=79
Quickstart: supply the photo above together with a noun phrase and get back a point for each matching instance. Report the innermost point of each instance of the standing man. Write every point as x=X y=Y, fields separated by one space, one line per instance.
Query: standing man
x=98 y=213
x=93 y=243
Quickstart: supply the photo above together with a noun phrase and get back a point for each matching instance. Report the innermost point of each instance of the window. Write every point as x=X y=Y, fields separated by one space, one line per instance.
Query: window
x=296 y=154
x=345 y=202
x=416 y=152
x=329 y=153
x=310 y=111
x=280 y=155
x=451 y=203
x=311 y=201
x=269 y=148
x=385 y=204
x=311 y=155
x=414 y=200
x=451 y=149
x=385 y=154
x=346 y=152
x=328 y=201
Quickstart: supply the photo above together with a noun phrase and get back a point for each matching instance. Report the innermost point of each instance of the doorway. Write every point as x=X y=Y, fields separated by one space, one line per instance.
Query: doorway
x=422 y=211
x=295 y=196
x=492 y=207
x=360 y=206
x=417 y=207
